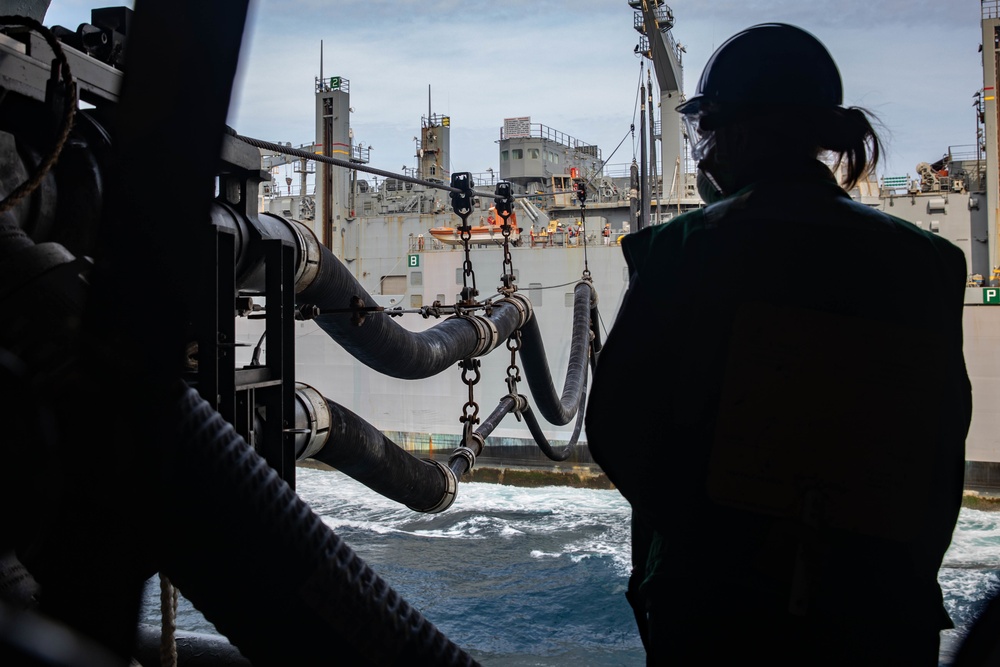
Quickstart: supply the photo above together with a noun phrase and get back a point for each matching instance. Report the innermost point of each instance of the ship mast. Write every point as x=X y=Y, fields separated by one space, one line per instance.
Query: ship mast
x=654 y=20
x=991 y=83
x=642 y=219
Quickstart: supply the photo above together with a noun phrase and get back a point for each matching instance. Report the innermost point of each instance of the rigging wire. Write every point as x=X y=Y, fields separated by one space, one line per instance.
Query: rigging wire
x=306 y=155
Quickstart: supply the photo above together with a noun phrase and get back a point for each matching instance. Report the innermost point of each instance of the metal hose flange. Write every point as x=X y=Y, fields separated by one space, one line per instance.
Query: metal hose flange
x=486 y=333
x=450 y=490
x=309 y=255
x=462 y=460
x=523 y=306
x=316 y=415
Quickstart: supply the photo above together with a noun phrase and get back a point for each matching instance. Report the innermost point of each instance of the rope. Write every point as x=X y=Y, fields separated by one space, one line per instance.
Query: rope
x=29 y=186
x=168 y=631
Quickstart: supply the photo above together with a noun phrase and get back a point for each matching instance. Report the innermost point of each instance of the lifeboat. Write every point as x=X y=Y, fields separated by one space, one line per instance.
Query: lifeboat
x=488 y=233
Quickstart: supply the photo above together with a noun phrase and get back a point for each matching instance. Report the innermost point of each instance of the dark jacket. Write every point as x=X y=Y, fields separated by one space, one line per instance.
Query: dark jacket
x=783 y=400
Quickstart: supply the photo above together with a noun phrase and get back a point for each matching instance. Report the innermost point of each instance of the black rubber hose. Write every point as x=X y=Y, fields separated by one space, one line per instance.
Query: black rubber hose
x=265 y=570
x=596 y=344
x=463 y=458
x=194 y=649
x=385 y=346
x=362 y=452
x=555 y=409
x=506 y=405
x=543 y=444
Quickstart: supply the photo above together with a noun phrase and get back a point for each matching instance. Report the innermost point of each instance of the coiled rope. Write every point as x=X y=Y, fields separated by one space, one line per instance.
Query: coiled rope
x=29 y=186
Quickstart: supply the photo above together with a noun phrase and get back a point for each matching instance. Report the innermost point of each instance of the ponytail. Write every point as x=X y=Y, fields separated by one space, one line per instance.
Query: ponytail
x=794 y=135
x=849 y=133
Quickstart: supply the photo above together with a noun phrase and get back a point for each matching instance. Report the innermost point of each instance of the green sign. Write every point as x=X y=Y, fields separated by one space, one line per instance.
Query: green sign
x=991 y=295
x=335 y=83
x=413 y=261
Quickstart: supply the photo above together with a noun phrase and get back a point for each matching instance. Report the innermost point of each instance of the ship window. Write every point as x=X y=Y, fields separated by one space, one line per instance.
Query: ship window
x=367 y=208
x=439 y=298
x=935 y=226
x=517 y=154
x=432 y=170
x=458 y=276
x=393 y=284
x=504 y=156
x=535 y=294
x=416 y=300
x=416 y=277
x=533 y=153
x=568 y=299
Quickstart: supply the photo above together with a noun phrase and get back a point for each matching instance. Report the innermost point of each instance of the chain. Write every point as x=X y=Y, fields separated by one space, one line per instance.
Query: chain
x=470 y=411
x=504 y=204
x=513 y=372
x=581 y=194
x=461 y=203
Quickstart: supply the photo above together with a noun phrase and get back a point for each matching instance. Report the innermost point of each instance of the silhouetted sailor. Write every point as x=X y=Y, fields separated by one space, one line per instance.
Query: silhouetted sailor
x=794 y=442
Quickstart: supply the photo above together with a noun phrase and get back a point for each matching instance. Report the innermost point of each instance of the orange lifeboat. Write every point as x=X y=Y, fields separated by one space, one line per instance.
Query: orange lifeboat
x=492 y=232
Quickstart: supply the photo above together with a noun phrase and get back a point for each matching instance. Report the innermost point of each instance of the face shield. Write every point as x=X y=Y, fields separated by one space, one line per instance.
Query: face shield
x=700 y=141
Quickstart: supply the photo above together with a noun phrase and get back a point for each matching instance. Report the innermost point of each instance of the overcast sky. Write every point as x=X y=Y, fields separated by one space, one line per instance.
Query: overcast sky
x=569 y=64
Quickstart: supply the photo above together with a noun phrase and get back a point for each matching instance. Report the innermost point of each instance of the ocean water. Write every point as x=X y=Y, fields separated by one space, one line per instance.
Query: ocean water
x=536 y=577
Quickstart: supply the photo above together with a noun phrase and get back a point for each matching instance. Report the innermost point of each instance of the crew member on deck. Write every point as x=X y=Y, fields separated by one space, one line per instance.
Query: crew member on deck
x=793 y=451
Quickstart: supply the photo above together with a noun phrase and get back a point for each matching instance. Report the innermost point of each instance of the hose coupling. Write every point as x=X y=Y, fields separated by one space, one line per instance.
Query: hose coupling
x=522 y=304
x=450 y=489
x=487 y=335
x=463 y=453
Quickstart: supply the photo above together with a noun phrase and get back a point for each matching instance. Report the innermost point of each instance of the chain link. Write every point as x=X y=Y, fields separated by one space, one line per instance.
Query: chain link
x=470 y=411
x=513 y=372
x=504 y=205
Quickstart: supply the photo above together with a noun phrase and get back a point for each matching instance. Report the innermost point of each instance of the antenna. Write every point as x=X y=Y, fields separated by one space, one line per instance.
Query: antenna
x=321 y=62
x=428 y=103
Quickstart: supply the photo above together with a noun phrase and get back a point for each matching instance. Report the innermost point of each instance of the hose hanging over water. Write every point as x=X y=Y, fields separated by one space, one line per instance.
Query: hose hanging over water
x=362 y=452
x=566 y=450
x=560 y=410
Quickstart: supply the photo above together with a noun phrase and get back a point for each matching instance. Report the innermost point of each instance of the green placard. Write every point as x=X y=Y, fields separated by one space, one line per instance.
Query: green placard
x=413 y=261
x=335 y=82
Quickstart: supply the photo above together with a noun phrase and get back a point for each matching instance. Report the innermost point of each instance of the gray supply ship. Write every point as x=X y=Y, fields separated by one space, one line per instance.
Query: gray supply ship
x=399 y=239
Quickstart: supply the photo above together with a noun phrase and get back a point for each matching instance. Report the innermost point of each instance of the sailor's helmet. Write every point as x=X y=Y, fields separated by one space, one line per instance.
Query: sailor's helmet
x=766 y=66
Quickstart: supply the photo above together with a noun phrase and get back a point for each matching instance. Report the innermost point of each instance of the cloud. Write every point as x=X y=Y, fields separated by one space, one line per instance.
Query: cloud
x=569 y=65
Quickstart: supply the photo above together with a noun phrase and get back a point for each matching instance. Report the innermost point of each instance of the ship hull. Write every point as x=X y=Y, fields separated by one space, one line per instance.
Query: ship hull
x=423 y=416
